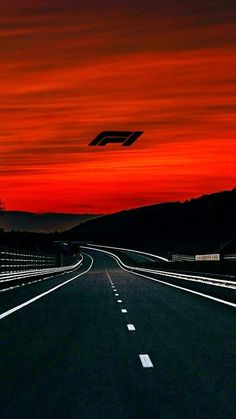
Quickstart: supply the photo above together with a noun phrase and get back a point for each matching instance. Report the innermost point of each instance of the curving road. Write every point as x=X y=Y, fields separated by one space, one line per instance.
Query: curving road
x=103 y=343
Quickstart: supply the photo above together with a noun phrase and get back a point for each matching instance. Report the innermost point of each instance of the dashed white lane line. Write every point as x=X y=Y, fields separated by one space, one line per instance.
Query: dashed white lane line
x=146 y=361
x=131 y=327
x=144 y=358
x=37 y=297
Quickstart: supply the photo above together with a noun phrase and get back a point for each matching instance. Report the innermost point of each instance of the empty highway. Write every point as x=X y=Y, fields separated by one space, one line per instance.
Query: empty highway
x=104 y=343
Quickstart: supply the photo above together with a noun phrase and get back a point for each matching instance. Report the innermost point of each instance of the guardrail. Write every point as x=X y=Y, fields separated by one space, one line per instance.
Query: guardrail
x=13 y=260
x=204 y=278
x=210 y=257
x=20 y=260
x=230 y=257
x=182 y=258
x=16 y=279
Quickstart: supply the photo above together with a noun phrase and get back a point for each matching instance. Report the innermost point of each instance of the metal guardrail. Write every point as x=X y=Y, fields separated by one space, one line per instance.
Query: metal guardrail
x=182 y=258
x=15 y=260
x=196 y=277
x=230 y=257
x=13 y=280
x=204 y=257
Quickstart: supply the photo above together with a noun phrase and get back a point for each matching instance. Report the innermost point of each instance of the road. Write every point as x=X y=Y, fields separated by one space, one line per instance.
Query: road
x=70 y=354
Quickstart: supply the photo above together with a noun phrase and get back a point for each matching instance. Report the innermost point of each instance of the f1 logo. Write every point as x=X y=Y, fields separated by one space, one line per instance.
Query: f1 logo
x=126 y=138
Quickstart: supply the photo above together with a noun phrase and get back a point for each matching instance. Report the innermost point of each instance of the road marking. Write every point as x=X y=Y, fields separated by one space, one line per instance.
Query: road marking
x=146 y=361
x=117 y=295
x=119 y=301
x=113 y=286
x=209 y=297
x=120 y=263
x=130 y=250
x=26 y=303
x=123 y=310
x=131 y=327
x=115 y=290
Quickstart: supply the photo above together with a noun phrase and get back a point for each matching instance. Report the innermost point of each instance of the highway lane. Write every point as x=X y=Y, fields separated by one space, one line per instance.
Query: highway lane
x=70 y=354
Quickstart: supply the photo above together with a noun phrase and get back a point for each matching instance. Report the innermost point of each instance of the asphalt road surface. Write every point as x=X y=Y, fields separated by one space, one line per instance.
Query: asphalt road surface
x=109 y=344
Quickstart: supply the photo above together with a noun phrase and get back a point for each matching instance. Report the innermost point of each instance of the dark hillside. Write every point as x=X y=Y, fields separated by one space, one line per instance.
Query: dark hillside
x=204 y=224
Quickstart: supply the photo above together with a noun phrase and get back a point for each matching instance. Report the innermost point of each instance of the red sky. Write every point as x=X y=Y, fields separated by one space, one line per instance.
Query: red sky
x=71 y=71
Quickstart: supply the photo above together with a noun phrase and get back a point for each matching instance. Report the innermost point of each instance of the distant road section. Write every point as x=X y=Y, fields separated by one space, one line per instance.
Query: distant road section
x=220 y=289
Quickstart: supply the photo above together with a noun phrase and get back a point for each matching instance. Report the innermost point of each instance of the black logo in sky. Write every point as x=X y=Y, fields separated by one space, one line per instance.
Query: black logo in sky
x=126 y=138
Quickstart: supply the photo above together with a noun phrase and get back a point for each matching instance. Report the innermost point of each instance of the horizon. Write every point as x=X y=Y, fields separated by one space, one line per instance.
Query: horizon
x=124 y=209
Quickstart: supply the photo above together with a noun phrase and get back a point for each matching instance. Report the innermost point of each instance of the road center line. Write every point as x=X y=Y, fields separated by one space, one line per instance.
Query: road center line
x=146 y=361
x=123 y=310
x=131 y=327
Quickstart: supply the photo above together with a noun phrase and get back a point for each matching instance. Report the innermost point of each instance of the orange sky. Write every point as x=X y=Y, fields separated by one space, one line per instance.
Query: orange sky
x=68 y=72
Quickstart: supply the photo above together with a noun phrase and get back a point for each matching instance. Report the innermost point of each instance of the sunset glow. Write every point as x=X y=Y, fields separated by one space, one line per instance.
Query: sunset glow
x=70 y=72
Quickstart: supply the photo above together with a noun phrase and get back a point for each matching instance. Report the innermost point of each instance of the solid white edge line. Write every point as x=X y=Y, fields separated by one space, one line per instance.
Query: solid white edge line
x=118 y=261
x=204 y=279
x=133 y=251
x=14 y=309
x=188 y=290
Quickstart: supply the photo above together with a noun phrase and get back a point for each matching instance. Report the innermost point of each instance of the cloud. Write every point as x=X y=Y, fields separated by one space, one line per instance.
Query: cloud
x=70 y=71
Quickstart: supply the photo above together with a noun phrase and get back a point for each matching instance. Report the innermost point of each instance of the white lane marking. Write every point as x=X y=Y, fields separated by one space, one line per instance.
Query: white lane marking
x=119 y=301
x=113 y=286
x=187 y=277
x=132 y=251
x=117 y=295
x=24 y=284
x=123 y=310
x=115 y=290
x=119 y=263
x=131 y=327
x=26 y=303
x=146 y=361
x=209 y=297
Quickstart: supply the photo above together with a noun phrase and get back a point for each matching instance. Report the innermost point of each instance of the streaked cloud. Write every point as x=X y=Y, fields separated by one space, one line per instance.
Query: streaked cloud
x=70 y=71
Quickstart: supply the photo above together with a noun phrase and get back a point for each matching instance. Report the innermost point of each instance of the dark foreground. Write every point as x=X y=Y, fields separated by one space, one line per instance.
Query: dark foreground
x=70 y=354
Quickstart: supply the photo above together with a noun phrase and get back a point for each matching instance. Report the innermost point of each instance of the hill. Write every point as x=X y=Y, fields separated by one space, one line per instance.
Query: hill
x=204 y=224
x=41 y=223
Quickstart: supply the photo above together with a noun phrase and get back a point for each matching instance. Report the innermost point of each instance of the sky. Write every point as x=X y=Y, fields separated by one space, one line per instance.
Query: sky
x=70 y=70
